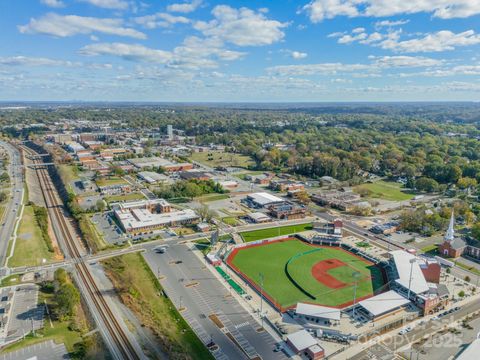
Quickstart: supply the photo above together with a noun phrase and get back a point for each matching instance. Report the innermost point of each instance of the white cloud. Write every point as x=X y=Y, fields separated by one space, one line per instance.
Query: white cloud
x=34 y=61
x=319 y=10
x=242 y=27
x=298 y=55
x=69 y=25
x=186 y=7
x=53 y=3
x=433 y=42
x=108 y=4
x=134 y=52
x=388 y=23
x=194 y=53
x=163 y=20
x=405 y=61
x=371 y=69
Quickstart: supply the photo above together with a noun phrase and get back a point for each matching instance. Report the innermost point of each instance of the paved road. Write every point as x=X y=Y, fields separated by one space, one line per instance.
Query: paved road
x=7 y=223
x=206 y=297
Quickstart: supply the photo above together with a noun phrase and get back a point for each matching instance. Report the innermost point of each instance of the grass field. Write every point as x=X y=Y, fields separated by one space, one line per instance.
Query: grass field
x=110 y=181
x=212 y=197
x=213 y=159
x=127 y=197
x=254 y=235
x=140 y=290
x=391 y=191
x=281 y=289
x=30 y=248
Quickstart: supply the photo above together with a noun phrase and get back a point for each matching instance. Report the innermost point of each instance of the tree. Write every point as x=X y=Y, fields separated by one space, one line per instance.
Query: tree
x=461 y=293
x=467 y=278
x=466 y=182
x=100 y=205
x=426 y=184
x=475 y=231
x=3 y=196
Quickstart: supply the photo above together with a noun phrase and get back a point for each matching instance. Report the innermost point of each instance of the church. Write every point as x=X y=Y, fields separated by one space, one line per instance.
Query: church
x=454 y=246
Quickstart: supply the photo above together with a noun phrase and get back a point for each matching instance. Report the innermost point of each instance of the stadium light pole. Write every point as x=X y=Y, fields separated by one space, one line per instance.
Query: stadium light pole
x=262 y=278
x=355 y=276
x=411 y=261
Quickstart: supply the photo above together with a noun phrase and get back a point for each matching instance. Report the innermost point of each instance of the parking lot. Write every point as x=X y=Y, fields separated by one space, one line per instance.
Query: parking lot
x=106 y=225
x=46 y=350
x=22 y=313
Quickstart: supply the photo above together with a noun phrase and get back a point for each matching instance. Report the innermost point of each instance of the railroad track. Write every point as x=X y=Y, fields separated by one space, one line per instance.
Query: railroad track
x=125 y=348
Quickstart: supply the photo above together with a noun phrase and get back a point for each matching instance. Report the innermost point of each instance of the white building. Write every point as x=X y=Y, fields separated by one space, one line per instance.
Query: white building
x=262 y=200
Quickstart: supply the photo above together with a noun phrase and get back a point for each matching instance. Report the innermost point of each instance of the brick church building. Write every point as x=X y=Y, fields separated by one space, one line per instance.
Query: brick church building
x=454 y=246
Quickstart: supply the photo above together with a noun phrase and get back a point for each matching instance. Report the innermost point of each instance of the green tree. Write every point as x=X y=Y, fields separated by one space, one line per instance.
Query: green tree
x=426 y=184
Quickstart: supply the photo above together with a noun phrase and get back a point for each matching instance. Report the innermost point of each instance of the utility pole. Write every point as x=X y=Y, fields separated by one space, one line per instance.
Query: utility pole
x=262 y=278
x=411 y=261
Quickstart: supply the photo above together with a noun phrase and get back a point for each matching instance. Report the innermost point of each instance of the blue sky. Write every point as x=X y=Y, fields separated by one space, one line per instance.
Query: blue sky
x=208 y=50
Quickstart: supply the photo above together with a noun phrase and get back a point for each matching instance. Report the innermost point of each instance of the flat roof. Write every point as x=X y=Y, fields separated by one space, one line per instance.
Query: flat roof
x=263 y=198
x=302 y=340
x=471 y=351
x=402 y=259
x=318 y=311
x=138 y=218
x=383 y=303
x=258 y=216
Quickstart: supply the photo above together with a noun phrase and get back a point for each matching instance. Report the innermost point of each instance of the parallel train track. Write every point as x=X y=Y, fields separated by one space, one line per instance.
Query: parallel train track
x=117 y=334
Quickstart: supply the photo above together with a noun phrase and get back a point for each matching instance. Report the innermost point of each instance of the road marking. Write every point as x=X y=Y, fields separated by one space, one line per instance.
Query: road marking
x=239 y=326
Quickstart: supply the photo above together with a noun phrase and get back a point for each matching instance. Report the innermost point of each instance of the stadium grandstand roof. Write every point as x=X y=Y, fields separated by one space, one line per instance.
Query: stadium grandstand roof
x=418 y=284
x=383 y=303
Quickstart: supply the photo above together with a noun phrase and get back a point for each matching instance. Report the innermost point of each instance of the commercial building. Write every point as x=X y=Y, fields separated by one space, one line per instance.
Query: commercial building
x=146 y=216
x=152 y=177
x=287 y=211
x=194 y=175
x=158 y=162
x=286 y=185
x=341 y=200
x=316 y=314
x=262 y=200
x=258 y=217
x=302 y=343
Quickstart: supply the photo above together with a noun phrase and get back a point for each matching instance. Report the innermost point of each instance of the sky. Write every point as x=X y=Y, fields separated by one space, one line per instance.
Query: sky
x=240 y=51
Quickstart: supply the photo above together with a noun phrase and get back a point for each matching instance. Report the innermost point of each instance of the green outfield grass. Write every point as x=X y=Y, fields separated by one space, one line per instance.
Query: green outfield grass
x=278 y=286
x=391 y=191
x=254 y=235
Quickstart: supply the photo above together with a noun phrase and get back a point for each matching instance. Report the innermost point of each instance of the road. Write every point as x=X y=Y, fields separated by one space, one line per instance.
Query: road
x=206 y=297
x=12 y=209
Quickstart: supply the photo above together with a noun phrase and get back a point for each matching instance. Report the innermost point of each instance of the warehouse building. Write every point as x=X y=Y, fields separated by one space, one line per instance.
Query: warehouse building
x=262 y=200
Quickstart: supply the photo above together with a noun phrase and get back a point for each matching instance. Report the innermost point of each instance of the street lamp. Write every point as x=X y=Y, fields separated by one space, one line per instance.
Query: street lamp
x=411 y=261
x=262 y=278
x=356 y=276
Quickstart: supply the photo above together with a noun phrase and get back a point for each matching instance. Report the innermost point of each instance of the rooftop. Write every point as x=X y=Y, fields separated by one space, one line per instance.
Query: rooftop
x=383 y=303
x=263 y=198
x=402 y=260
x=318 y=311
x=302 y=340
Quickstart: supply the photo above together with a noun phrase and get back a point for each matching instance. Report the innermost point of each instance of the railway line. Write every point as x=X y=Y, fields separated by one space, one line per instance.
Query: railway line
x=122 y=346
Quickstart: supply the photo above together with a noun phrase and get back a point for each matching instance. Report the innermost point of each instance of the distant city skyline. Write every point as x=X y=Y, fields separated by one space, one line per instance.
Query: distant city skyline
x=240 y=51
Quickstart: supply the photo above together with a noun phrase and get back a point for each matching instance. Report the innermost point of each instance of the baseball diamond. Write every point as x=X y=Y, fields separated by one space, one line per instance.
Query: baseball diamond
x=294 y=271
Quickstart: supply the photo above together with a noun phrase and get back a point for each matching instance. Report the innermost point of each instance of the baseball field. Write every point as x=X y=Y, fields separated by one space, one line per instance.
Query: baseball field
x=294 y=271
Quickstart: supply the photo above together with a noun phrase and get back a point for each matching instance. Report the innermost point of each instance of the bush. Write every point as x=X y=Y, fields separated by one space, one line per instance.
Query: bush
x=41 y=217
x=461 y=293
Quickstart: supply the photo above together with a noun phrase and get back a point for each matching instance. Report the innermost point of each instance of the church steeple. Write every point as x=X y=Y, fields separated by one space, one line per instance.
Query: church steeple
x=450 y=234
